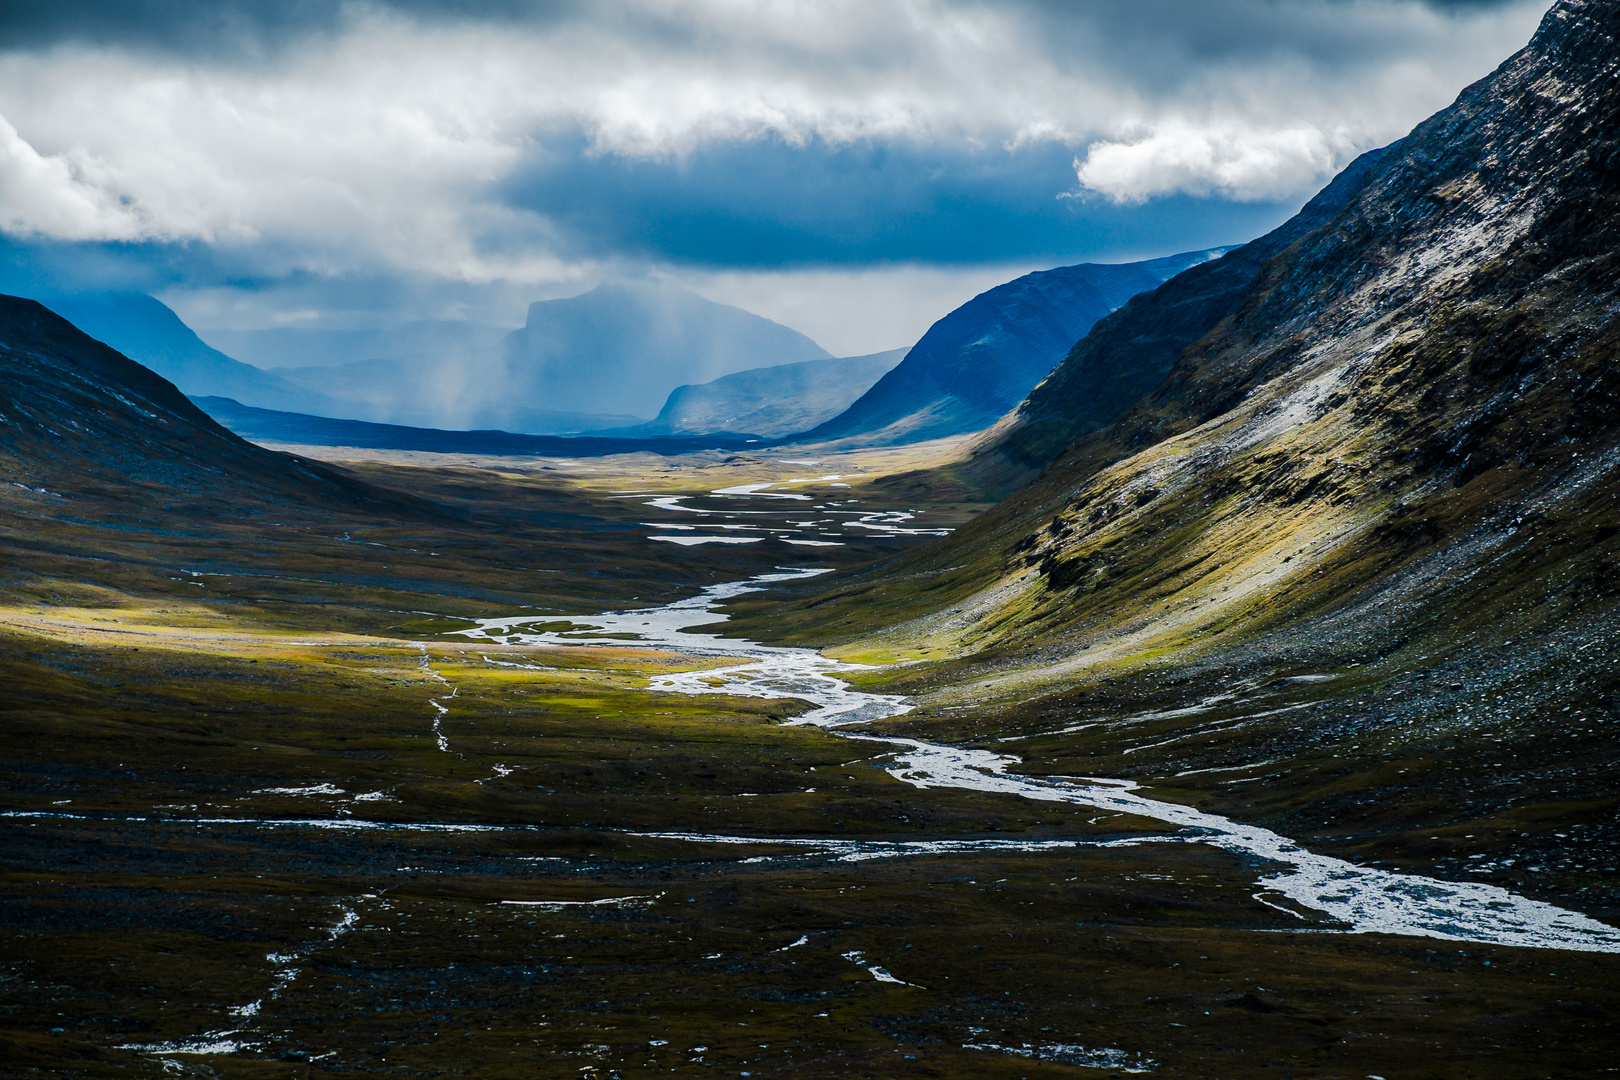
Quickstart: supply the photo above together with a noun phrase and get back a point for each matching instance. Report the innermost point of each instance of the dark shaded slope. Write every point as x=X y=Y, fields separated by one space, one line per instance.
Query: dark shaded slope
x=1128 y=354
x=81 y=420
x=981 y=359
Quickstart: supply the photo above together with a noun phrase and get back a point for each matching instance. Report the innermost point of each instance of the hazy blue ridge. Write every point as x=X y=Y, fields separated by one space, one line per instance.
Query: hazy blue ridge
x=774 y=401
x=981 y=360
x=605 y=359
x=147 y=331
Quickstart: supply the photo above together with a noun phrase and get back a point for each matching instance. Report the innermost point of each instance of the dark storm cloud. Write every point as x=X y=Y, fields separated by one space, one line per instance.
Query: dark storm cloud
x=310 y=148
x=765 y=203
x=1192 y=27
x=236 y=27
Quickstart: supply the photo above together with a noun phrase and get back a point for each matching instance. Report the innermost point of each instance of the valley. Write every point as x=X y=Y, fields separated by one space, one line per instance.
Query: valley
x=429 y=816
x=1205 y=666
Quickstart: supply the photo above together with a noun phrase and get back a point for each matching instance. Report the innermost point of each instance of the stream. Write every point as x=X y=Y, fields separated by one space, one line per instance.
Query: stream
x=1358 y=899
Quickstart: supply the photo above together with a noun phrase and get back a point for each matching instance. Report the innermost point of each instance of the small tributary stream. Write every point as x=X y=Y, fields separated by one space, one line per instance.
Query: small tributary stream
x=1358 y=899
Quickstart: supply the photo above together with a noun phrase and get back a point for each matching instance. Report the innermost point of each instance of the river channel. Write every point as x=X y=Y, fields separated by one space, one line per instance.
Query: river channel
x=1344 y=897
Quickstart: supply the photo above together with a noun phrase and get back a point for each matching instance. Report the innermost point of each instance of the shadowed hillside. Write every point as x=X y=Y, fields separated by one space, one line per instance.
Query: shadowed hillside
x=84 y=422
x=145 y=330
x=981 y=359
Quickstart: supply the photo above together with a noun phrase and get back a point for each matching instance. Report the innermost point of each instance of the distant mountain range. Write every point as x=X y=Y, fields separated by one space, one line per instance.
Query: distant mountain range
x=608 y=358
x=774 y=401
x=979 y=361
x=146 y=330
x=605 y=360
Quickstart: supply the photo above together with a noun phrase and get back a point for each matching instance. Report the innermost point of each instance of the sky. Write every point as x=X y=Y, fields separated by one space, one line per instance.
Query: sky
x=852 y=168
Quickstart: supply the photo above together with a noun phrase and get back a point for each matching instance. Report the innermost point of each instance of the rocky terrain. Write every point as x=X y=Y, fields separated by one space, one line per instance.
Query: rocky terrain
x=1360 y=541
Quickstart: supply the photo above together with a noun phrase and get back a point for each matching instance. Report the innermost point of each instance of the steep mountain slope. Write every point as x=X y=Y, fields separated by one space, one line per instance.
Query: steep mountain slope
x=146 y=330
x=773 y=401
x=82 y=422
x=980 y=360
x=1128 y=354
x=1372 y=515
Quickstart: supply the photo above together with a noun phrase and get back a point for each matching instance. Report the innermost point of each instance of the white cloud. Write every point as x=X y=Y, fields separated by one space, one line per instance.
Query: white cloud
x=379 y=146
x=64 y=196
x=1203 y=159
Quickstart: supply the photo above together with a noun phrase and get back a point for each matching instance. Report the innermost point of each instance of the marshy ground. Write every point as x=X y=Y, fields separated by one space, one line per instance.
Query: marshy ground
x=269 y=813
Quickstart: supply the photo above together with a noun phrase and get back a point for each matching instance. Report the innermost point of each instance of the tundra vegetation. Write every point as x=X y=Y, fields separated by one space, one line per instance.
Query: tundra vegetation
x=316 y=762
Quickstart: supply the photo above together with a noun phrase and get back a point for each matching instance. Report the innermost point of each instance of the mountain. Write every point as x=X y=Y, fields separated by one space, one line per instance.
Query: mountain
x=84 y=425
x=773 y=401
x=623 y=346
x=1383 y=475
x=1413 y=378
x=1128 y=354
x=605 y=359
x=302 y=347
x=979 y=361
x=146 y=330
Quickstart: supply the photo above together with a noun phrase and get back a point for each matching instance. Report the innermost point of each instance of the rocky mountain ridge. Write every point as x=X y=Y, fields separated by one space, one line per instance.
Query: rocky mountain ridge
x=1363 y=541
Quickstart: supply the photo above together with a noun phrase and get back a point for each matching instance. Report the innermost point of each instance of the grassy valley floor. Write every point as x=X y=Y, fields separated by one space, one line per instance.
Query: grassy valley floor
x=268 y=813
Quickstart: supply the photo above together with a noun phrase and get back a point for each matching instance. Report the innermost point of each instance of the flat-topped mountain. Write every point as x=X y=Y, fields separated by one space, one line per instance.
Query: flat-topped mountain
x=623 y=346
x=981 y=359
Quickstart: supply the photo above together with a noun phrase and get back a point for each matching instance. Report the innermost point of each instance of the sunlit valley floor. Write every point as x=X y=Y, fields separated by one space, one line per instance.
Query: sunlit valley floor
x=272 y=810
